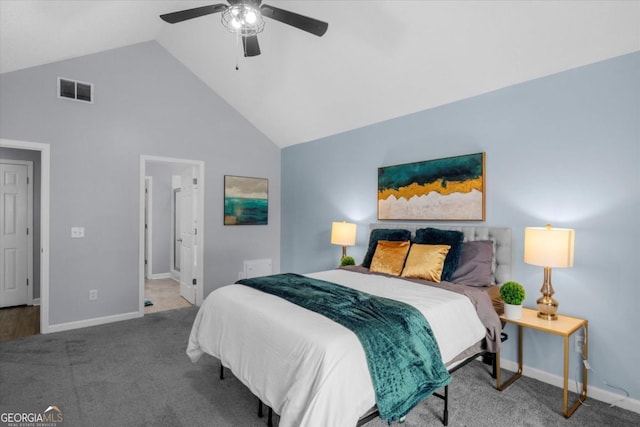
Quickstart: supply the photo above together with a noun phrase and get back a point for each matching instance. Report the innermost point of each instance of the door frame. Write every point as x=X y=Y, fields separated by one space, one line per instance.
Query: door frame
x=199 y=166
x=45 y=158
x=29 y=165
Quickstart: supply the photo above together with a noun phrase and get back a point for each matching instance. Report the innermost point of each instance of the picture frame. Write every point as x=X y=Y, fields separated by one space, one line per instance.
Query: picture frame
x=246 y=200
x=446 y=189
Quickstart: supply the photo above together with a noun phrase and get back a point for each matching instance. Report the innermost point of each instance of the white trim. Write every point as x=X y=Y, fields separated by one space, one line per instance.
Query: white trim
x=29 y=165
x=597 y=393
x=45 y=159
x=93 y=322
x=161 y=276
x=201 y=229
x=36 y=301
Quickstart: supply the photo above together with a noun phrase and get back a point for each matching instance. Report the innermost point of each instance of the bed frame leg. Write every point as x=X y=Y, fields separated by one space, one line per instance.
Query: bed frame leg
x=270 y=418
x=503 y=338
x=221 y=371
x=260 y=414
x=493 y=367
x=445 y=415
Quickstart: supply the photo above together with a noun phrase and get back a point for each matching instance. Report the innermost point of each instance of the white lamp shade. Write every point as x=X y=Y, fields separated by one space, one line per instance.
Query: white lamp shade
x=343 y=233
x=549 y=247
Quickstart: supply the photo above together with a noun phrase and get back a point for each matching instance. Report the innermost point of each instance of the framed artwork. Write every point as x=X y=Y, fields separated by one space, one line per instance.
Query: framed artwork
x=449 y=189
x=246 y=200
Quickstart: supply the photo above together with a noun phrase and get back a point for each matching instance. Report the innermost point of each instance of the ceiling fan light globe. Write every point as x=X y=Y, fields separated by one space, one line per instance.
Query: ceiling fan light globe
x=250 y=17
x=242 y=19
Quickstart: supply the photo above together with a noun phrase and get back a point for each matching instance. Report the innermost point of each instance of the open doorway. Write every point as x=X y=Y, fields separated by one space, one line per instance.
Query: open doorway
x=172 y=233
x=36 y=156
x=17 y=284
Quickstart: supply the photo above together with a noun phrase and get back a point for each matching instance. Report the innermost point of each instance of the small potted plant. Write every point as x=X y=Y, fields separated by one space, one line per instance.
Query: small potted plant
x=347 y=260
x=512 y=294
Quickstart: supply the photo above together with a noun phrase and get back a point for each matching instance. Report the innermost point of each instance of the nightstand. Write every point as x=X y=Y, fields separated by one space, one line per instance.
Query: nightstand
x=564 y=326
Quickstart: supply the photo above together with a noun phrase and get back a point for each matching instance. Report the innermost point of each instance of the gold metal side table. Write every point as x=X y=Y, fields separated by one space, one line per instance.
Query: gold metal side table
x=564 y=326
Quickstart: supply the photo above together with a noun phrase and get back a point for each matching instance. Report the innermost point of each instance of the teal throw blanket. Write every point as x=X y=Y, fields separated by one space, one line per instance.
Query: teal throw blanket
x=403 y=356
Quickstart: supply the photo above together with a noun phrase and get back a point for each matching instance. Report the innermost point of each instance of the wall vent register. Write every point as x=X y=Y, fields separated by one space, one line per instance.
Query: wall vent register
x=75 y=90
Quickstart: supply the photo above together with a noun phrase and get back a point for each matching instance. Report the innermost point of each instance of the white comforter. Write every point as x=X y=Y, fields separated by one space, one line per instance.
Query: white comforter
x=309 y=369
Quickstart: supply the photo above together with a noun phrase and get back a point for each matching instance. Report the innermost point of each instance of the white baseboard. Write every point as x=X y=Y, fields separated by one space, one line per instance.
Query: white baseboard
x=36 y=301
x=92 y=322
x=558 y=381
x=160 y=276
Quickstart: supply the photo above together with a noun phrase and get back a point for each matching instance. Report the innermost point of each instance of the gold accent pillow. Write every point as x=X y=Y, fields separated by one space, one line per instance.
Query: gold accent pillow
x=389 y=257
x=425 y=262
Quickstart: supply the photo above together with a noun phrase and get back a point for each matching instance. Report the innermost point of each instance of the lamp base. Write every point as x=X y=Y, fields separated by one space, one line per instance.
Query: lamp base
x=547 y=308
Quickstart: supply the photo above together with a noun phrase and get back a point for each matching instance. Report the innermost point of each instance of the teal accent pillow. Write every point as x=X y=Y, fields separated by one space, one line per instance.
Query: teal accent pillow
x=391 y=234
x=435 y=236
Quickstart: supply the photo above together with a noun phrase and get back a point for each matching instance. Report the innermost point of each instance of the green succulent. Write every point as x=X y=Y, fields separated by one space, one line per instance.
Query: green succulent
x=347 y=260
x=512 y=293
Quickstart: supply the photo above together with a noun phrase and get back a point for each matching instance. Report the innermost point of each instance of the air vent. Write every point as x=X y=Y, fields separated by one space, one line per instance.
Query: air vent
x=75 y=90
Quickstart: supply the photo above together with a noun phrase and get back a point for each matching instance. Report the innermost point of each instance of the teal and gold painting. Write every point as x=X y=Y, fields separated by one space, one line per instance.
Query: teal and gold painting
x=451 y=189
x=246 y=200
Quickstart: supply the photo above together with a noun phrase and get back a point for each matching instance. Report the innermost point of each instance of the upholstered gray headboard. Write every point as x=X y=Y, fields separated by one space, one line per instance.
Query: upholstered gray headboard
x=501 y=237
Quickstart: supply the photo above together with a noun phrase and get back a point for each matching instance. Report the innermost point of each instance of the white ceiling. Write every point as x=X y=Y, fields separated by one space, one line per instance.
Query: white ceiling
x=378 y=60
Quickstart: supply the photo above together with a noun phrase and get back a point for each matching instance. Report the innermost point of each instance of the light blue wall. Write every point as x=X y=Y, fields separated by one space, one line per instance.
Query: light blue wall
x=564 y=150
x=146 y=103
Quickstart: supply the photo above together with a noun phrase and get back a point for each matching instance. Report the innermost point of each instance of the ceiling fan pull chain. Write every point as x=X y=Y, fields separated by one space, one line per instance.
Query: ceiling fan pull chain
x=237 y=47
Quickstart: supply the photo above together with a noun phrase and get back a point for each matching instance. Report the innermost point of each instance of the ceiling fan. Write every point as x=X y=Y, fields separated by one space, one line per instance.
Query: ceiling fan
x=245 y=18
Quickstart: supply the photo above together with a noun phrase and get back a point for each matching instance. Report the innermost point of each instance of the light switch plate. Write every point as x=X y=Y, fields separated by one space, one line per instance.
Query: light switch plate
x=77 y=232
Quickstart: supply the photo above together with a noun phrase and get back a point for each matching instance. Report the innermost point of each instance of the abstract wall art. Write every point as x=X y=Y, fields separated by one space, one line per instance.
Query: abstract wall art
x=448 y=189
x=246 y=200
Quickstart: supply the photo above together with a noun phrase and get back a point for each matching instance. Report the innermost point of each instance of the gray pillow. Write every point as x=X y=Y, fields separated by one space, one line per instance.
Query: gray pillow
x=474 y=268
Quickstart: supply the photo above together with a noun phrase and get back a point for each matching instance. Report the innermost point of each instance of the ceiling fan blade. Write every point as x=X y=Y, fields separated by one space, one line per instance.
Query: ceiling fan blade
x=183 y=15
x=250 y=45
x=301 y=22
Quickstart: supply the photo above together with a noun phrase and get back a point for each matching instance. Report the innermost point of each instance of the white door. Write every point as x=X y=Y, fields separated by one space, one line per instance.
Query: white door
x=13 y=247
x=148 y=188
x=188 y=230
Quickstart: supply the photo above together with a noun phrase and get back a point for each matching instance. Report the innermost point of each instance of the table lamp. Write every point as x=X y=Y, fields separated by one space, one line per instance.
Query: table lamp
x=549 y=248
x=343 y=233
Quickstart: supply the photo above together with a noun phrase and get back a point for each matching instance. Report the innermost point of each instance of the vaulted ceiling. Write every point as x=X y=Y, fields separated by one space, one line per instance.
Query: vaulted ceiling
x=378 y=60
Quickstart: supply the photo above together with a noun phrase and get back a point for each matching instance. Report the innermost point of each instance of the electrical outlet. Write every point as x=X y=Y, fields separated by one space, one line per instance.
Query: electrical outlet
x=93 y=294
x=579 y=346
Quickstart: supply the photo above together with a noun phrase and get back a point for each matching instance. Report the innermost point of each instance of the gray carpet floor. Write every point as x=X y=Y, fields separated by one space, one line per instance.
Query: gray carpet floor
x=136 y=373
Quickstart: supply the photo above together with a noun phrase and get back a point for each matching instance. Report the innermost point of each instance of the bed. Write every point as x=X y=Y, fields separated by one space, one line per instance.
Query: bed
x=313 y=371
